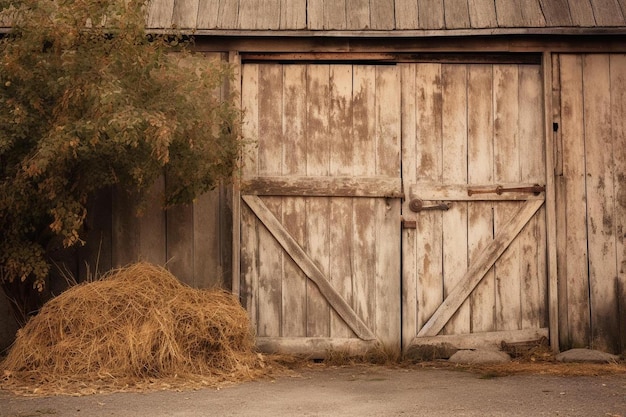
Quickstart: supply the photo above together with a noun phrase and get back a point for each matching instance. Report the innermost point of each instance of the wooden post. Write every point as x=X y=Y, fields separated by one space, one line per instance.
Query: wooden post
x=553 y=296
x=235 y=60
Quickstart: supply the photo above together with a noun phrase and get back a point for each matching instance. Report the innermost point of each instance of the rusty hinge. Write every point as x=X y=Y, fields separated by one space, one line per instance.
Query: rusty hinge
x=534 y=189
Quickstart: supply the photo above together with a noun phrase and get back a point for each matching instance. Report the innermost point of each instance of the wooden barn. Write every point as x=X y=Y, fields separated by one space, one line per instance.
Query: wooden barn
x=425 y=172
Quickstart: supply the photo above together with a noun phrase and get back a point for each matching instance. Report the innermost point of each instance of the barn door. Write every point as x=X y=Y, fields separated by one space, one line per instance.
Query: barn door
x=320 y=229
x=474 y=268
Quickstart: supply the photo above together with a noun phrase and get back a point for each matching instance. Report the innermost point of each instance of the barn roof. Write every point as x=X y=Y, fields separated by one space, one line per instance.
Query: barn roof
x=389 y=17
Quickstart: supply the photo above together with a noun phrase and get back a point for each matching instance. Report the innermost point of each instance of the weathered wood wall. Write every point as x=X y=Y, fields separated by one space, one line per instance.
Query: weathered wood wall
x=378 y=15
x=590 y=92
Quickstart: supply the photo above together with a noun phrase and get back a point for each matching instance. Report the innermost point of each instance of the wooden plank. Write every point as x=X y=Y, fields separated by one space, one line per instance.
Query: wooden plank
x=185 y=14
x=249 y=284
x=573 y=248
x=533 y=14
x=179 y=244
x=551 y=193
x=431 y=191
x=318 y=208
x=387 y=225
x=208 y=11
x=270 y=163
x=480 y=170
x=228 y=14
x=207 y=221
x=335 y=15
x=363 y=215
x=315 y=14
x=358 y=14
x=250 y=129
x=269 y=18
x=479 y=268
x=482 y=13
x=309 y=267
x=600 y=202
x=160 y=14
x=454 y=154
x=509 y=13
x=582 y=13
x=406 y=14
x=294 y=128
x=507 y=168
x=409 y=237
x=431 y=14
x=456 y=14
x=532 y=239
x=382 y=15
x=482 y=340
x=231 y=235
x=292 y=14
x=429 y=166
x=341 y=233
x=556 y=12
x=95 y=257
x=249 y=14
x=314 y=347
x=618 y=124
x=607 y=12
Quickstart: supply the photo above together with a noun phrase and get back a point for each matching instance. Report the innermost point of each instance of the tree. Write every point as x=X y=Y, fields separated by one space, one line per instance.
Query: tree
x=89 y=100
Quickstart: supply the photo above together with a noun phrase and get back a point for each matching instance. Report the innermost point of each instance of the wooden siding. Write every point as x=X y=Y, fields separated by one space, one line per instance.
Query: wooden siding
x=383 y=15
x=591 y=200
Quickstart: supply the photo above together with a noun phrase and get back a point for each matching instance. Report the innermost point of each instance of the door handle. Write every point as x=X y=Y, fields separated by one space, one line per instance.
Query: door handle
x=416 y=205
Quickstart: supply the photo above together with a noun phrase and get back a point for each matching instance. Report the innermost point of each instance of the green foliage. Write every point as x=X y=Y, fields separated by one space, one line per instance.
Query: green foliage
x=88 y=100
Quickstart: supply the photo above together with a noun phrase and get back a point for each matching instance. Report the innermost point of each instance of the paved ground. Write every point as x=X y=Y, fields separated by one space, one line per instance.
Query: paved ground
x=355 y=391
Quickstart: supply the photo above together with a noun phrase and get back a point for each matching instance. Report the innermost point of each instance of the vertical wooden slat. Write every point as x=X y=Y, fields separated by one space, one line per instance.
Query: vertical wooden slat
x=482 y=13
x=95 y=257
x=556 y=12
x=600 y=201
x=270 y=163
x=532 y=14
x=573 y=239
x=294 y=128
x=207 y=219
x=249 y=224
x=456 y=14
x=180 y=238
x=340 y=130
x=318 y=208
x=509 y=13
x=507 y=169
x=532 y=162
x=335 y=15
x=358 y=14
x=618 y=123
x=382 y=14
x=454 y=151
x=228 y=14
x=315 y=14
x=249 y=14
x=428 y=156
x=480 y=170
x=409 y=236
x=160 y=14
x=234 y=90
x=582 y=13
x=607 y=12
x=363 y=214
x=185 y=14
x=406 y=14
x=208 y=11
x=550 y=85
x=387 y=226
x=431 y=14
x=293 y=14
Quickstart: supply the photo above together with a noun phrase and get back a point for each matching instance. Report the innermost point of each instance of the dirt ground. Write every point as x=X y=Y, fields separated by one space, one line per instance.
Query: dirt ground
x=356 y=391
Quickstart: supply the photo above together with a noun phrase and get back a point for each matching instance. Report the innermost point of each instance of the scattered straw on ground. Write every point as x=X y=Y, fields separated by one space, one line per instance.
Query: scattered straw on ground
x=137 y=328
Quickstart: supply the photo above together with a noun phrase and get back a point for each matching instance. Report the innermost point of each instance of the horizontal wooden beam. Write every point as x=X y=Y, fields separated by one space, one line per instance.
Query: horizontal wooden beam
x=385 y=187
x=481 y=340
x=313 y=347
x=464 y=192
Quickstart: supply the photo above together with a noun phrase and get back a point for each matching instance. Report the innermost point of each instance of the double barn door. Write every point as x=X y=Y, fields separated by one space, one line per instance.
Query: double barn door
x=399 y=205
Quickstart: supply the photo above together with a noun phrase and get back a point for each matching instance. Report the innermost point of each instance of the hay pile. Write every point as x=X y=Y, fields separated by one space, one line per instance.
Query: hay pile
x=137 y=326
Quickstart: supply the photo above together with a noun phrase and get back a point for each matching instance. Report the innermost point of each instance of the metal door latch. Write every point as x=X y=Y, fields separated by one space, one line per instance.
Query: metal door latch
x=534 y=189
x=416 y=205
